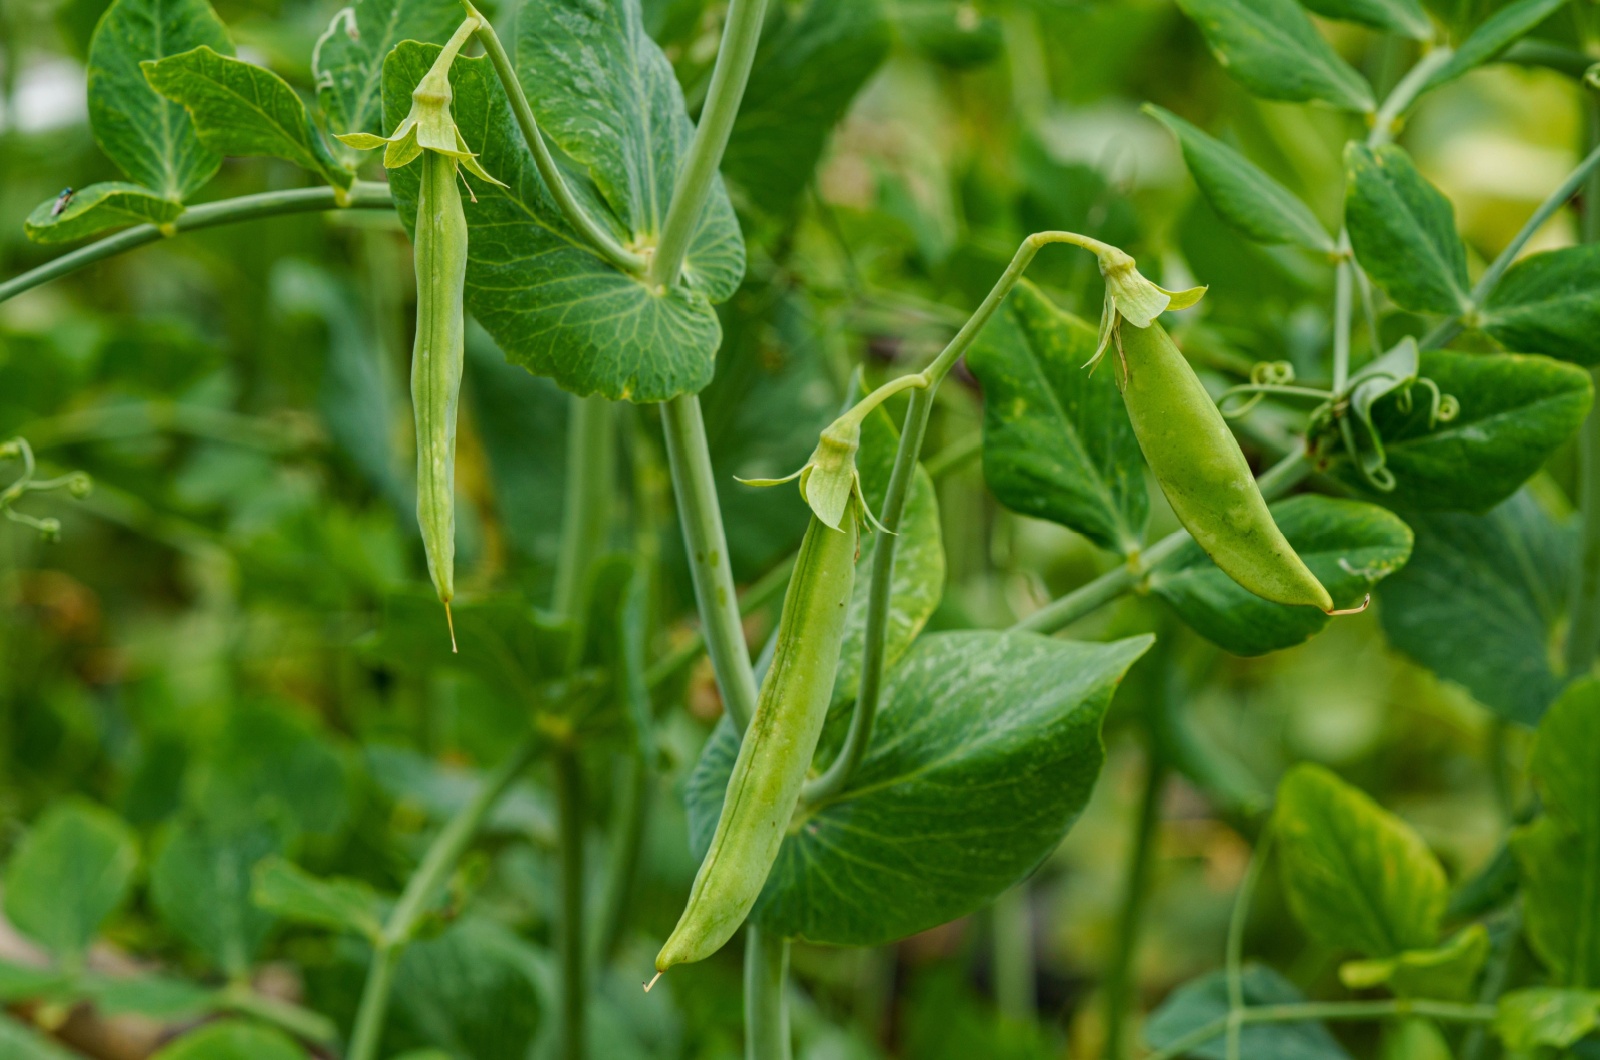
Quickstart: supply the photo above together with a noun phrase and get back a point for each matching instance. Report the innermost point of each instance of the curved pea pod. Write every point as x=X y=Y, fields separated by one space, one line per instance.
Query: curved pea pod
x=777 y=748
x=1202 y=471
x=436 y=362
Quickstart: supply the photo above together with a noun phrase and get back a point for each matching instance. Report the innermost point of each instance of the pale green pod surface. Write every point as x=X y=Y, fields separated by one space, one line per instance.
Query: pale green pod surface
x=436 y=361
x=1201 y=469
x=777 y=748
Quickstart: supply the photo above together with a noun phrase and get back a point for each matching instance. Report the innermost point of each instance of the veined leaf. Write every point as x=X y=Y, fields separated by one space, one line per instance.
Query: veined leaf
x=1498 y=32
x=1273 y=49
x=239 y=108
x=1057 y=443
x=1405 y=17
x=1241 y=193
x=1542 y=1015
x=1550 y=303
x=470 y=991
x=71 y=871
x=984 y=753
x=200 y=882
x=1205 y=1000
x=150 y=139
x=1404 y=231
x=96 y=208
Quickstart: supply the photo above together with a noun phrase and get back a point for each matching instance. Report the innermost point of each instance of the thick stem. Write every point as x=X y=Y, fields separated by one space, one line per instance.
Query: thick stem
x=572 y=1023
x=586 y=507
x=1120 y=985
x=1015 y=972
x=1583 y=633
x=1328 y=1011
x=766 y=1003
x=363 y=195
x=707 y=545
x=597 y=235
x=741 y=33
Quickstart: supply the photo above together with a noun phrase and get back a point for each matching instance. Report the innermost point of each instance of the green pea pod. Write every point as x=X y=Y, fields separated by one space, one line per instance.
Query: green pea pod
x=436 y=363
x=1197 y=461
x=777 y=748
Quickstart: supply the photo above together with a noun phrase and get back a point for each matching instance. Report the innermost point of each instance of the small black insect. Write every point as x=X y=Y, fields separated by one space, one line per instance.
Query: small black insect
x=61 y=202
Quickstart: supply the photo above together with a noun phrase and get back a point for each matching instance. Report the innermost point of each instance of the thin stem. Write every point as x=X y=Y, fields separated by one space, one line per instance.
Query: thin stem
x=707 y=546
x=1237 y=921
x=1343 y=280
x=633 y=801
x=570 y=928
x=1494 y=982
x=1583 y=634
x=420 y=891
x=362 y=195
x=741 y=33
x=766 y=1003
x=597 y=234
x=1119 y=984
x=1014 y=968
x=586 y=508
x=301 y=1022
x=1328 y=1011
x=1389 y=117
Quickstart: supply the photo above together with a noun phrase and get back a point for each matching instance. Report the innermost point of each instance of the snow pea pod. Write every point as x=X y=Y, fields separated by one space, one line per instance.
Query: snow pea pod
x=1203 y=473
x=777 y=748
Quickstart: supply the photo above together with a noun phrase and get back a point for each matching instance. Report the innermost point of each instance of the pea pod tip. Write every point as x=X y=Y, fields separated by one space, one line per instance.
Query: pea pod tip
x=450 y=620
x=654 y=979
x=1365 y=603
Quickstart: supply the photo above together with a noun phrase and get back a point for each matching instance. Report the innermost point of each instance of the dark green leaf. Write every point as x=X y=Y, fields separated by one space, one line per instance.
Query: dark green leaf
x=1357 y=877
x=1349 y=546
x=984 y=753
x=1514 y=412
x=1550 y=303
x=1541 y=1015
x=200 y=882
x=286 y=890
x=96 y=208
x=150 y=139
x=811 y=63
x=71 y=871
x=1478 y=604
x=1405 y=17
x=1241 y=193
x=232 y=1041
x=1205 y=1000
x=1057 y=443
x=468 y=992
x=1497 y=33
x=548 y=299
x=605 y=93
x=239 y=108
x=1273 y=49
x=1404 y=231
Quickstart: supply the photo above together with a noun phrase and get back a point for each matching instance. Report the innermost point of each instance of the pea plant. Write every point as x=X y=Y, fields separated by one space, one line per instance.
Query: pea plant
x=693 y=685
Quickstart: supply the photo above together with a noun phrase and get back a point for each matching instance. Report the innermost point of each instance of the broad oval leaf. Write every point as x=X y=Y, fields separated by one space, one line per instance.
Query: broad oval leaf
x=1241 y=192
x=239 y=108
x=96 y=208
x=1542 y=1015
x=1549 y=303
x=1405 y=17
x=71 y=871
x=550 y=301
x=1057 y=443
x=470 y=991
x=200 y=881
x=1349 y=546
x=233 y=1040
x=1514 y=411
x=605 y=93
x=1356 y=876
x=150 y=139
x=1273 y=49
x=1479 y=601
x=1497 y=33
x=984 y=752
x=1404 y=231
x=1204 y=1001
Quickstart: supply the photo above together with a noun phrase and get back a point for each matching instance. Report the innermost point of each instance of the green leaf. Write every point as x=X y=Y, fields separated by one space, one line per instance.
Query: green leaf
x=1542 y=1015
x=1272 y=48
x=239 y=108
x=1514 y=412
x=954 y=33
x=1414 y=1038
x=605 y=93
x=1057 y=443
x=469 y=992
x=150 y=139
x=1549 y=303
x=437 y=792
x=96 y=208
x=1446 y=972
x=200 y=881
x=1356 y=876
x=1349 y=546
x=1404 y=231
x=1498 y=32
x=984 y=752
x=232 y=1040
x=155 y=996
x=21 y=1042
x=1241 y=192
x=1405 y=17
x=288 y=891
x=812 y=61
x=549 y=300
x=20 y=982
x=271 y=762
x=71 y=871
x=348 y=58
x=1205 y=1000
x=1560 y=853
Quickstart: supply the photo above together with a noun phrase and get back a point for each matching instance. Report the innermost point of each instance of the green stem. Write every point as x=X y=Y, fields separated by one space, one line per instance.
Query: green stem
x=570 y=928
x=1015 y=993
x=955 y=456
x=597 y=235
x=1120 y=985
x=303 y=1023
x=627 y=839
x=1583 y=631
x=741 y=33
x=363 y=195
x=1237 y=921
x=768 y=588
x=766 y=1004
x=715 y=593
x=586 y=508
x=1328 y=1011
x=1388 y=119
x=1343 y=281
x=1494 y=983
x=421 y=890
